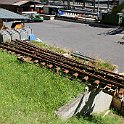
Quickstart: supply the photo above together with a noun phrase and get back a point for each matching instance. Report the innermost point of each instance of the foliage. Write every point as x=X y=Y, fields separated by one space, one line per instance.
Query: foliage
x=104 y=65
x=52 y=48
x=118 y=8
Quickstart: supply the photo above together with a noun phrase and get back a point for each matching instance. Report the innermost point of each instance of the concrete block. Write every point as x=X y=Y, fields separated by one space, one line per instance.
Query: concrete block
x=86 y=103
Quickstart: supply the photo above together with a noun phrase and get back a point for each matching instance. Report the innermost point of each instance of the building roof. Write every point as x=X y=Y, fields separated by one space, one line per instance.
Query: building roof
x=8 y=15
x=10 y=2
x=19 y=3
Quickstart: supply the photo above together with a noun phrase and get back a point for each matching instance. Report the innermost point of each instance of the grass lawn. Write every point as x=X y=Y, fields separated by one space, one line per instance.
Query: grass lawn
x=30 y=95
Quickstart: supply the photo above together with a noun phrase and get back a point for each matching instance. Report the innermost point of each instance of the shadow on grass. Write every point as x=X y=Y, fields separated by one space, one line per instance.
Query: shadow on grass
x=94 y=119
x=117 y=112
x=89 y=104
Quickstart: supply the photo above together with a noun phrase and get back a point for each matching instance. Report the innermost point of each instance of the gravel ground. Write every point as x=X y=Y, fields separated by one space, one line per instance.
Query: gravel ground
x=89 y=40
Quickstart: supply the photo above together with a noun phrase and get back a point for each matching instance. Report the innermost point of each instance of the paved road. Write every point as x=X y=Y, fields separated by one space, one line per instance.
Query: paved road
x=92 y=41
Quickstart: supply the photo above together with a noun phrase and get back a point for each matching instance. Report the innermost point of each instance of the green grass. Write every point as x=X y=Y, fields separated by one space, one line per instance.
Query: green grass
x=52 y=48
x=30 y=95
x=26 y=89
x=104 y=65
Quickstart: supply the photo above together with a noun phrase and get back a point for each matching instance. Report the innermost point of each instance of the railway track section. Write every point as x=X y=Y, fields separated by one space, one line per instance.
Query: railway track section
x=98 y=78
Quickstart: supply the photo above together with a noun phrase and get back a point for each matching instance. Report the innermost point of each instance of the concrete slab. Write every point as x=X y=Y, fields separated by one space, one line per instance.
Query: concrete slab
x=86 y=103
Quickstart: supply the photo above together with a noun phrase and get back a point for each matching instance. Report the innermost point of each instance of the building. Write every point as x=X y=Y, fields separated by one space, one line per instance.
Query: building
x=28 y=5
x=8 y=4
x=21 y=5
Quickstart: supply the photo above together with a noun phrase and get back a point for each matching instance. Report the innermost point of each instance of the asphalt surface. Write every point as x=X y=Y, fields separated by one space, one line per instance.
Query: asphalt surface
x=94 y=41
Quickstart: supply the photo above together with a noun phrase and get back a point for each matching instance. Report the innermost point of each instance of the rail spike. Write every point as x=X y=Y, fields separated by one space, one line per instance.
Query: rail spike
x=66 y=71
x=85 y=78
x=50 y=65
x=96 y=83
x=24 y=59
x=36 y=61
x=75 y=75
x=43 y=63
x=58 y=69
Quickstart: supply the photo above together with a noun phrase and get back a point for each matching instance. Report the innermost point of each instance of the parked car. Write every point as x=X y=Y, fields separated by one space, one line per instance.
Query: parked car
x=34 y=16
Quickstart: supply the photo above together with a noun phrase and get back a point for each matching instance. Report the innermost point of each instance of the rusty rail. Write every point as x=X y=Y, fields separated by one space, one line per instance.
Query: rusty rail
x=96 y=77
